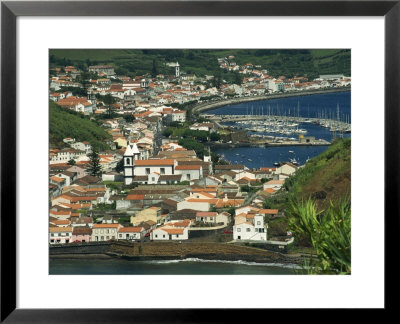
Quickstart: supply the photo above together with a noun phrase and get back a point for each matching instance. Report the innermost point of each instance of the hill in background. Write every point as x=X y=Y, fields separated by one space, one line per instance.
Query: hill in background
x=311 y=63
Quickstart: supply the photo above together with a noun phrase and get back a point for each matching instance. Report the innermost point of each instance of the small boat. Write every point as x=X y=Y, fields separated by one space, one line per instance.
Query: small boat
x=250 y=160
x=294 y=162
x=291 y=152
x=277 y=164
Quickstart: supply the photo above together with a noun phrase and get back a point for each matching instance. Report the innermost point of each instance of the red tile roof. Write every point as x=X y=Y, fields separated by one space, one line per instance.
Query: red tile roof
x=106 y=225
x=130 y=229
x=154 y=162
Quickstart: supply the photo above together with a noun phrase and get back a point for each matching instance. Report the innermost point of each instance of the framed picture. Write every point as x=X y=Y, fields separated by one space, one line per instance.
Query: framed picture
x=33 y=32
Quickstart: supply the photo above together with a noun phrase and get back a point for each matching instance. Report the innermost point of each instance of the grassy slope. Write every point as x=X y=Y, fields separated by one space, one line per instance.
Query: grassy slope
x=310 y=62
x=66 y=124
x=329 y=173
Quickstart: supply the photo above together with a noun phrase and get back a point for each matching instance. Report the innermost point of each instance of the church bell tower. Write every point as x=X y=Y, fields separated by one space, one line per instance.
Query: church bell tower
x=131 y=155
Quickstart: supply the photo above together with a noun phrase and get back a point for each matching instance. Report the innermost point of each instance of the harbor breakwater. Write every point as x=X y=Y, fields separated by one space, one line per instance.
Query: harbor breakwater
x=226 y=102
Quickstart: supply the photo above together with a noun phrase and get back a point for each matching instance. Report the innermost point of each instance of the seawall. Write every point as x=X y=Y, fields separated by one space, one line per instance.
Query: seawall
x=171 y=251
x=80 y=248
x=216 y=104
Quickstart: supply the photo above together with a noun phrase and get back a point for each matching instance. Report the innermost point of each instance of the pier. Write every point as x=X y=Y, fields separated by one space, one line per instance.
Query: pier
x=333 y=125
x=268 y=143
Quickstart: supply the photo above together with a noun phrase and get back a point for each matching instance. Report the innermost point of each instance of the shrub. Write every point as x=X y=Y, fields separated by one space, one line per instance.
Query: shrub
x=329 y=232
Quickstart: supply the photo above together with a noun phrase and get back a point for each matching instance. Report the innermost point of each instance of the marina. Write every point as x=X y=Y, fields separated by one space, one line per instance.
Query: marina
x=283 y=130
x=285 y=125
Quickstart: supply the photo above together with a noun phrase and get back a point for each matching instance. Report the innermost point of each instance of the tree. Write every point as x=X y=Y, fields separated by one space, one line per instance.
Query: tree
x=238 y=79
x=129 y=118
x=94 y=168
x=71 y=162
x=108 y=99
x=154 y=70
x=231 y=211
x=215 y=136
x=329 y=232
x=167 y=132
x=110 y=111
x=120 y=166
x=267 y=204
x=217 y=81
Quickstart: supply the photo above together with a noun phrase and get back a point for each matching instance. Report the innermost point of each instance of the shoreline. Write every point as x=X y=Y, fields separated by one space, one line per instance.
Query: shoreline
x=282 y=259
x=162 y=252
x=226 y=102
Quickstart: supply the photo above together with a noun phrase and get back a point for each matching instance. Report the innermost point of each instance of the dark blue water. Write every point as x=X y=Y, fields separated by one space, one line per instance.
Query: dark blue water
x=173 y=267
x=266 y=157
x=304 y=106
x=309 y=106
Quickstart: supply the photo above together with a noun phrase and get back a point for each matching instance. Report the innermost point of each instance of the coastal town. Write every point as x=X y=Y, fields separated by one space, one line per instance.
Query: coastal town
x=154 y=176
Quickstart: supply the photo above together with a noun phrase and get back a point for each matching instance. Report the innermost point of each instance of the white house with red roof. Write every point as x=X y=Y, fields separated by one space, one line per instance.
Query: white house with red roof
x=60 y=235
x=251 y=229
x=132 y=233
x=274 y=184
x=245 y=209
x=105 y=232
x=189 y=172
x=213 y=217
x=175 y=230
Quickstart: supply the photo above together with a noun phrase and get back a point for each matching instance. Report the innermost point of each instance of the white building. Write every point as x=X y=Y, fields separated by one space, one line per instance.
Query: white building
x=274 y=184
x=82 y=146
x=65 y=155
x=148 y=171
x=287 y=168
x=175 y=230
x=60 y=235
x=276 y=86
x=131 y=154
x=252 y=231
x=104 y=232
x=165 y=234
x=131 y=233
x=105 y=69
x=189 y=172
x=177 y=116
x=195 y=204
x=213 y=217
x=202 y=127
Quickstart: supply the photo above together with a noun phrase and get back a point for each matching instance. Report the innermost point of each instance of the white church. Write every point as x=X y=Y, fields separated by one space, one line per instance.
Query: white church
x=155 y=171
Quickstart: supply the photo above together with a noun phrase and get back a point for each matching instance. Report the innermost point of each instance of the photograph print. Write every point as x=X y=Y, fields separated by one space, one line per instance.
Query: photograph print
x=199 y=161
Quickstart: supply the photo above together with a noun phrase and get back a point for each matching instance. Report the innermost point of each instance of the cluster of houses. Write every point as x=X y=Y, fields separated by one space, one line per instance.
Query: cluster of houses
x=146 y=96
x=168 y=191
x=257 y=81
x=162 y=206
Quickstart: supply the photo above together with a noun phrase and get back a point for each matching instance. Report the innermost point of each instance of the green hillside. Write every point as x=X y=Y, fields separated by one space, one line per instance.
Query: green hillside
x=65 y=123
x=326 y=177
x=203 y=61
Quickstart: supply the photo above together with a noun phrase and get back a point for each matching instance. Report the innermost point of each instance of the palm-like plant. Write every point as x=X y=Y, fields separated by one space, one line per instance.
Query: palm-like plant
x=329 y=232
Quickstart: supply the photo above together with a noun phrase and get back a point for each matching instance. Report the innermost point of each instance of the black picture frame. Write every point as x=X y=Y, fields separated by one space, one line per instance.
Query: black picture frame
x=10 y=10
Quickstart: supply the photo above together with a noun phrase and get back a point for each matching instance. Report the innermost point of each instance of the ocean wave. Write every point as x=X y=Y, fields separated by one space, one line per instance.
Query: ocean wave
x=239 y=262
